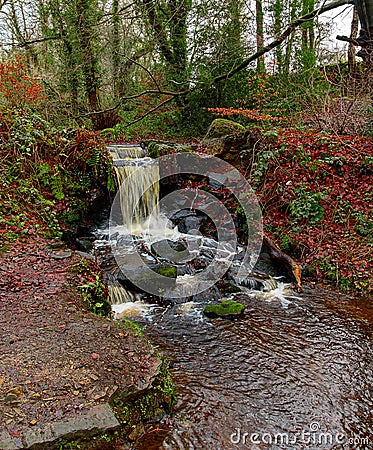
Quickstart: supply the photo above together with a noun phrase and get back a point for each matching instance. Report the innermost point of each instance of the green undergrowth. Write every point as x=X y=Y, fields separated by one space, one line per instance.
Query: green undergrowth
x=49 y=176
x=88 y=279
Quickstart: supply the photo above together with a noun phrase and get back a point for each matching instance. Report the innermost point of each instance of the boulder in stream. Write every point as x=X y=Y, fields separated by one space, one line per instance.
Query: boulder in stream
x=227 y=309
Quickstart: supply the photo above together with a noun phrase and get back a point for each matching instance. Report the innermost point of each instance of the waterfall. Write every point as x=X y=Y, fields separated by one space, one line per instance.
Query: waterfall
x=119 y=151
x=138 y=200
x=118 y=294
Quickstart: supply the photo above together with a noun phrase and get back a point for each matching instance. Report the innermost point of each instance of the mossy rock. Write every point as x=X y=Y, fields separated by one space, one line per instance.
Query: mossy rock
x=139 y=278
x=226 y=139
x=166 y=271
x=223 y=127
x=161 y=148
x=227 y=309
x=227 y=287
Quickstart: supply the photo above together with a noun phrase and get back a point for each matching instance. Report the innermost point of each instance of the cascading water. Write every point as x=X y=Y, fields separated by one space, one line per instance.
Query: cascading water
x=294 y=373
x=137 y=203
x=130 y=162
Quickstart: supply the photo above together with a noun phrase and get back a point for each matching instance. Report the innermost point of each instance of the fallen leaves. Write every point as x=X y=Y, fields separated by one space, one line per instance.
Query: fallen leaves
x=340 y=245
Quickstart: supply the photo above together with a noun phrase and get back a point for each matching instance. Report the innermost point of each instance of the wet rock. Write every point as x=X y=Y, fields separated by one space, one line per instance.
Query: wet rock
x=227 y=287
x=140 y=278
x=190 y=223
x=161 y=148
x=227 y=309
x=173 y=251
x=84 y=244
x=199 y=263
x=177 y=216
x=217 y=180
x=206 y=296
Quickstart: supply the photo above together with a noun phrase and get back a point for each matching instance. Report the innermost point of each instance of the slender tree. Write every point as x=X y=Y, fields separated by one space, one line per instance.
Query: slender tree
x=351 y=54
x=259 y=14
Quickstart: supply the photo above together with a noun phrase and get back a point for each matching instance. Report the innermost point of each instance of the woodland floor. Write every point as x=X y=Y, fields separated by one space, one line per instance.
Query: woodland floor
x=56 y=359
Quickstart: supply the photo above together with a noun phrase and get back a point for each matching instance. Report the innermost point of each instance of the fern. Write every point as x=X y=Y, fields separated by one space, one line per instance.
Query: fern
x=44 y=174
x=56 y=185
x=94 y=160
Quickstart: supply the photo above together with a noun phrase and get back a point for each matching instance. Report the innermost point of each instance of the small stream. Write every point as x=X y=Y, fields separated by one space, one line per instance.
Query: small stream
x=294 y=372
x=295 y=377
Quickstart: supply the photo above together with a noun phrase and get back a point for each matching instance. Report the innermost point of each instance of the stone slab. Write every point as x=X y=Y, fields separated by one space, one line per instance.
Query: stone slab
x=98 y=419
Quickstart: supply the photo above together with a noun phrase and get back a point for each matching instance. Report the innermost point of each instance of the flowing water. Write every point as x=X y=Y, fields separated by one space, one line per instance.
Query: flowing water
x=294 y=372
x=295 y=377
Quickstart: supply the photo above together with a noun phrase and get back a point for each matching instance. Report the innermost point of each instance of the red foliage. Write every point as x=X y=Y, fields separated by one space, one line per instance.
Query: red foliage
x=17 y=88
x=252 y=114
x=339 y=246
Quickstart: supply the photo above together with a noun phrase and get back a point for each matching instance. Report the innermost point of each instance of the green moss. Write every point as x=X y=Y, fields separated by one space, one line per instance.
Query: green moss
x=156 y=148
x=134 y=327
x=223 y=127
x=226 y=309
x=166 y=271
x=104 y=441
x=149 y=405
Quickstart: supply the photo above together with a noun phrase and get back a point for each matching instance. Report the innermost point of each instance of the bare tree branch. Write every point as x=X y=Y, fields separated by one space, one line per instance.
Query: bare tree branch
x=173 y=94
x=347 y=39
x=295 y=24
x=150 y=111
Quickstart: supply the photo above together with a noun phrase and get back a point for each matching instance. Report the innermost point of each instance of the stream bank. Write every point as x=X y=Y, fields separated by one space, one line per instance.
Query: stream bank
x=67 y=374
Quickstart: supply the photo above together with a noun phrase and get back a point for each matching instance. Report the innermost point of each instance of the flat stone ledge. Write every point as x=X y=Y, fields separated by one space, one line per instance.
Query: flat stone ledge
x=7 y=442
x=98 y=419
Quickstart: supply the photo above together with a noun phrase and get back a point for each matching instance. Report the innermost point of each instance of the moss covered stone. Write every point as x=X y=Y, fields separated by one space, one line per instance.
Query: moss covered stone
x=166 y=271
x=222 y=127
x=150 y=404
x=161 y=148
x=227 y=309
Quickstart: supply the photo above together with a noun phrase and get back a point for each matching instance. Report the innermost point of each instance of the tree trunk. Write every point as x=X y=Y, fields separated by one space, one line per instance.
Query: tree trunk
x=84 y=29
x=351 y=47
x=116 y=48
x=278 y=14
x=365 y=40
x=260 y=66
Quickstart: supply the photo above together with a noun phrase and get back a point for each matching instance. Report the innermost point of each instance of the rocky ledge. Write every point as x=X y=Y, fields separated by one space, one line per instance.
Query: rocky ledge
x=66 y=374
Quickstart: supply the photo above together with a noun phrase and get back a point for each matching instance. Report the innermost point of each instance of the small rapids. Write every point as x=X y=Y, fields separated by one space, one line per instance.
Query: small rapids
x=294 y=372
